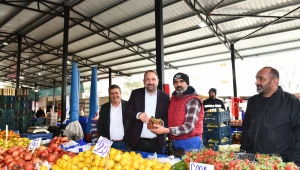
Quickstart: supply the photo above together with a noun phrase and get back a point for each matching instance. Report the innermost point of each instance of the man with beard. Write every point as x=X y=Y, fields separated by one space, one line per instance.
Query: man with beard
x=185 y=117
x=212 y=102
x=144 y=103
x=272 y=121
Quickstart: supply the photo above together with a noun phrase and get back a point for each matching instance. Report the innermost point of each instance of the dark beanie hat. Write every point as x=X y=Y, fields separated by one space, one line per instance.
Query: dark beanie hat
x=213 y=89
x=183 y=77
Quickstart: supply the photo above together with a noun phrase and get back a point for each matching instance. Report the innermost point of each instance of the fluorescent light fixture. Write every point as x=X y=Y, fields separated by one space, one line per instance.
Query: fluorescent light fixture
x=202 y=24
x=5 y=43
x=21 y=77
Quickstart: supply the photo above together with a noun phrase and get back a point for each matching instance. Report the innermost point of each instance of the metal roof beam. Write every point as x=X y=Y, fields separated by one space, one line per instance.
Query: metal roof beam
x=212 y=25
x=269 y=24
x=126 y=42
x=75 y=24
x=254 y=16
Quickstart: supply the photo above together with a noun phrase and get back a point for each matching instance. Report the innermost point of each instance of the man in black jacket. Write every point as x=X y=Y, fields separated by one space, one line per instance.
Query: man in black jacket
x=272 y=119
x=212 y=102
x=112 y=124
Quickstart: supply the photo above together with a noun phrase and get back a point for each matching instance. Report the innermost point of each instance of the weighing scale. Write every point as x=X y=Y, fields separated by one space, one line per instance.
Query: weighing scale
x=38 y=129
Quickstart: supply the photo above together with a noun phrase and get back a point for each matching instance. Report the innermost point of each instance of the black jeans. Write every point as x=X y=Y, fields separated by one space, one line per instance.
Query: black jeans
x=148 y=145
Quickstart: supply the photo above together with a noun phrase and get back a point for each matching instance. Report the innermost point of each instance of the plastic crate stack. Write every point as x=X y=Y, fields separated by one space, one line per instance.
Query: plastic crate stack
x=51 y=119
x=16 y=110
x=217 y=129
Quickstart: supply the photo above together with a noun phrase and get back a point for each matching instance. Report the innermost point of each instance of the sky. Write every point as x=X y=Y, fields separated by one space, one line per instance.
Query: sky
x=219 y=75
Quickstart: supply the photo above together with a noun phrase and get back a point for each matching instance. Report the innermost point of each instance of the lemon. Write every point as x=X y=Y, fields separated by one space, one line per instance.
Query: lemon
x=87 y=154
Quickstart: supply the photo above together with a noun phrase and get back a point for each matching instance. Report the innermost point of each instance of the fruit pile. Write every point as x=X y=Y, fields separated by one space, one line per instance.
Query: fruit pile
x=227 y=161
x=11 y=134
x=116 y=160
x=16 y=141
x=20 y=158
x=152 y=121
x=57 y=141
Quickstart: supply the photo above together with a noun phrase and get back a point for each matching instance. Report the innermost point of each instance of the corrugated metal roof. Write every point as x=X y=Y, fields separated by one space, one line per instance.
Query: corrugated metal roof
x=120 y=34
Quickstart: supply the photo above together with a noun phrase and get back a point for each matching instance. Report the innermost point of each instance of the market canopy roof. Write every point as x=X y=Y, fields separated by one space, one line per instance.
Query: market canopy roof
x=120 y=35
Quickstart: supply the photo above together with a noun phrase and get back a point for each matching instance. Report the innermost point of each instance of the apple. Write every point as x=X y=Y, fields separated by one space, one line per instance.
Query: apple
x=43 y=154
x=27 y=157
x=15 y=153
x=51 y=158
x=10 y=164
x=28 y=166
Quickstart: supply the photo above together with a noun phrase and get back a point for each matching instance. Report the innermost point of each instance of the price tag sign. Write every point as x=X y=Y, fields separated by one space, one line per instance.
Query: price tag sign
x=102 y=146
x=199 y=166
x=35 y=143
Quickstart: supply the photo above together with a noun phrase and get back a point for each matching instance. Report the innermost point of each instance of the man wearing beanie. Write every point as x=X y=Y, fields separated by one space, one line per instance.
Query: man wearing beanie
x=185 y=116
x=212 y=102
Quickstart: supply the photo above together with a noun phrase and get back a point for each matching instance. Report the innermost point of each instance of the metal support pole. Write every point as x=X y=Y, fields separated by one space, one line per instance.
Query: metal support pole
x=35 y=85
x=233 y=70
x=109 y=76
x=159 y=43
x=19 y=60
x=53 y=103
x=64 y=67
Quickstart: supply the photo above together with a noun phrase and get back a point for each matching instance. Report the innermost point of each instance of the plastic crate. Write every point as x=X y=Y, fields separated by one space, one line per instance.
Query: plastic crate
x=19 y=98
x=216 y=117
x=216 y=133
x=8 y=99
x=214 y=145
x=11 y=126
x=7 y=106
x=37 y=135
x=8 y=121
x=20 y=112
x=21 y=119
x=8 y=113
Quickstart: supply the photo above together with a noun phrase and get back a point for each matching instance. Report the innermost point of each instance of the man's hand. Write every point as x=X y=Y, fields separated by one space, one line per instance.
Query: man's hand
x=158 y=129
x=144 y=117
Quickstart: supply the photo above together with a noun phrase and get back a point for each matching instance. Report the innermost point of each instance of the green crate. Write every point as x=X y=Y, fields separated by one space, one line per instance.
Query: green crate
x=20 y=112
x=21 y=119
x=6 y=112
x=8 y=99
x=11 y=126
x=7 y=106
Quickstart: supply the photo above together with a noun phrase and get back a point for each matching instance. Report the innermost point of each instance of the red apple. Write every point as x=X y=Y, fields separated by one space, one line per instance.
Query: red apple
x=51 y=158
x=27 y=156
x=10 y=164
x=15 y=153
x=28 y=166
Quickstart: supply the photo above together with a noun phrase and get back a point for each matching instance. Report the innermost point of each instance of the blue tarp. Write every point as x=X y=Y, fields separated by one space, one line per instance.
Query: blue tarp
x=74 y=97
x=93 y=100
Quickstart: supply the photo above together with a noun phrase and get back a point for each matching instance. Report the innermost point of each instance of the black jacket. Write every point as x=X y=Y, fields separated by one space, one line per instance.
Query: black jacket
x=104 y=119
x=136 y=104
x=274 y=129
x=213 y=103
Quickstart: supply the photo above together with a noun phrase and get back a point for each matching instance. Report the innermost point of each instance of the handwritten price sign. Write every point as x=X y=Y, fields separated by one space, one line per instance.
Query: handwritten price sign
x=35 y=143
x=199 y=166
x=102 y=146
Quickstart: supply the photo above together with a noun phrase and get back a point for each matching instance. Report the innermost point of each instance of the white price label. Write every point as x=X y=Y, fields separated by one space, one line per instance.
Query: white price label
x=199 y=166
x=35 y=143
x=102 y=146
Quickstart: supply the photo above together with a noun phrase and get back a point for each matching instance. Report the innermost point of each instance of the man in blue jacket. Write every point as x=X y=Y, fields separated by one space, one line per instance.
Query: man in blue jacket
x=272 y=120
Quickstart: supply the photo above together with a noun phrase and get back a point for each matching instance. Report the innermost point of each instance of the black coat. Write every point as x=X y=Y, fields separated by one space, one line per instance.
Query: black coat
x=213 y=103
x=104 y=119
x=135 y=105
x=274 y=129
